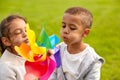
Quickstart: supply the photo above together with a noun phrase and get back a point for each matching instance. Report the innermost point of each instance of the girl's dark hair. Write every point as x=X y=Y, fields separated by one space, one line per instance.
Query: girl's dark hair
x=4 y=28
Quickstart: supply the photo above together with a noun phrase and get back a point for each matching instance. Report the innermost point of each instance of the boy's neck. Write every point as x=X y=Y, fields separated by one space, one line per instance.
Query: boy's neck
x=76 y=49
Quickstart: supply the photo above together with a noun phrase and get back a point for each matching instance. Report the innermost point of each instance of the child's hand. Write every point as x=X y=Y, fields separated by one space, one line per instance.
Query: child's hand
x=50 y=52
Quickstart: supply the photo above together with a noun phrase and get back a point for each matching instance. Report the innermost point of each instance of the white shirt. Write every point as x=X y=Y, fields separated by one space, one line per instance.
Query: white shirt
x=85 y=65
x=71 y=63
x=11 y=67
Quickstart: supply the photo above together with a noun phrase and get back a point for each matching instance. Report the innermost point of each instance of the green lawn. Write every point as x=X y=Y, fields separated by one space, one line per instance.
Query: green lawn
x=104 y=36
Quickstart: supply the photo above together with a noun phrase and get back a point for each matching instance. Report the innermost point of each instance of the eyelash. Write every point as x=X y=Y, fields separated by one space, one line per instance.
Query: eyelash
x=18 y=32
x=73 y=28
x=63 y=26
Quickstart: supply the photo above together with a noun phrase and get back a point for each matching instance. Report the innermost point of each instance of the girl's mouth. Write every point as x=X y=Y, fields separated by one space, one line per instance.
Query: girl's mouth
x=26 y=41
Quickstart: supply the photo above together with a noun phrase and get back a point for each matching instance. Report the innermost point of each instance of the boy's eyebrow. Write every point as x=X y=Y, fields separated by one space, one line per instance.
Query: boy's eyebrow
x=63 y=22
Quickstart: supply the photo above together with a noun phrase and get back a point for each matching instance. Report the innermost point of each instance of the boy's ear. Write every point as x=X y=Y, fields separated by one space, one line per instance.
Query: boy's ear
x=6 y=41
x=86 y=32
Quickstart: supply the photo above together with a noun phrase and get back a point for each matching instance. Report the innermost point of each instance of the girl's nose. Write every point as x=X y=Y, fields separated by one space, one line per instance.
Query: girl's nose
x=24 y=34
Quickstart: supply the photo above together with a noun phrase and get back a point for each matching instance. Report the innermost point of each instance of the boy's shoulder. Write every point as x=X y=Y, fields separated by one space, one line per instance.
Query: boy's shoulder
x=92 y=55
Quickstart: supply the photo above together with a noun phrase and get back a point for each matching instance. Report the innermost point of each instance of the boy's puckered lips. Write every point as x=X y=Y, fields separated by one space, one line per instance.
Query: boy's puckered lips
x=65 y=38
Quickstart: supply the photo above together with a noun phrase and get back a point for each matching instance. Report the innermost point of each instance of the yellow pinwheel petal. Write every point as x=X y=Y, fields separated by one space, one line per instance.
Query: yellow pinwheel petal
x=25 y=51
x=31 y=35
x=29 y=52
x=42 y=51
x=43 y=57
x=32 y=39
x=34 y=48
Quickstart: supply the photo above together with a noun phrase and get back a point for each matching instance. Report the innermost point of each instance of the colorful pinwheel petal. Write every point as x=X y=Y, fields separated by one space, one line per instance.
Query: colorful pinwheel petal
x=38 y=65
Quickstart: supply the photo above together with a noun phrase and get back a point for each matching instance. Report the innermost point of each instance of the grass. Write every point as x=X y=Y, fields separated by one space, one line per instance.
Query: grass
x=104 y=36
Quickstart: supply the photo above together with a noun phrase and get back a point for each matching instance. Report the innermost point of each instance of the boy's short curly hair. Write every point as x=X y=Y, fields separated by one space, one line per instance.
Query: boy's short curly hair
x=85 y=15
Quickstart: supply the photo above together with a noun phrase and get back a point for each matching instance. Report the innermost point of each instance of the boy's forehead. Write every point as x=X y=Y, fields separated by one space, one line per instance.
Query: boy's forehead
x=71 y=17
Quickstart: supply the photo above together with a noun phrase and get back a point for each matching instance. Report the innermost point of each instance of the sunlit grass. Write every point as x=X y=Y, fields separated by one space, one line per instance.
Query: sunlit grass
x=104 y=36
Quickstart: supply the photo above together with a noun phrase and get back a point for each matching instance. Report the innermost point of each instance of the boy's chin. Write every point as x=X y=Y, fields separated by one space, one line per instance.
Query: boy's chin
x=66 y=42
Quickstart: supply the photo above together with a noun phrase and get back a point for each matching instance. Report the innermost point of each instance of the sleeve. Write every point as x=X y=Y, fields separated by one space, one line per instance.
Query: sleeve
x=94 y=73
x=55 y=74
x=6 y=72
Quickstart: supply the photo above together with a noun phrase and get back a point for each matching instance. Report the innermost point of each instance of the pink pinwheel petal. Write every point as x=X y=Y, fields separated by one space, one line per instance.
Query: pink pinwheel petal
x=52 y=66
x=38 y=65
x=37 y=68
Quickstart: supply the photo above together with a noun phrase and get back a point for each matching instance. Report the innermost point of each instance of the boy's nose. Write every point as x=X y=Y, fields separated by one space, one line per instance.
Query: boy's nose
x=66 y=30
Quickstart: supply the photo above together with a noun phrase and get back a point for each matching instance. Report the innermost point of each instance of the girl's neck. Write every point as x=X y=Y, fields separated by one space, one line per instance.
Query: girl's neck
x=74 y=49
x=12 y=50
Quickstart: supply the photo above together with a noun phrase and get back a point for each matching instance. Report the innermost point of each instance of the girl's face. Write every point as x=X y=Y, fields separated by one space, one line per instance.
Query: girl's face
x=72 y=32
x=17 y=33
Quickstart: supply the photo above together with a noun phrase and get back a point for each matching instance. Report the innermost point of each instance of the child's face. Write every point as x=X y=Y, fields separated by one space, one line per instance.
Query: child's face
x=17 y=32
x=72 y=32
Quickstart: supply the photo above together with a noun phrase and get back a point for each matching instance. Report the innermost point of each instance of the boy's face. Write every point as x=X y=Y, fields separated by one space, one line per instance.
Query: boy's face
x=72 y=31
x=17 y=33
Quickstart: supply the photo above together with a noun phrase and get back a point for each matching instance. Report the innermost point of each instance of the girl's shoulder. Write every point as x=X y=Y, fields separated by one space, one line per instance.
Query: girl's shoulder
x=7 y=70
x=6 y=66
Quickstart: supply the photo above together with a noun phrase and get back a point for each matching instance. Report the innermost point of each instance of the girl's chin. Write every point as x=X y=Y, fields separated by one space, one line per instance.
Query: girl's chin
x=28 y=44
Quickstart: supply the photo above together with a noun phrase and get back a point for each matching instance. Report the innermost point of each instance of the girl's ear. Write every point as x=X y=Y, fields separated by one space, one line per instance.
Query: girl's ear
x=86 y=32
x=5 y=41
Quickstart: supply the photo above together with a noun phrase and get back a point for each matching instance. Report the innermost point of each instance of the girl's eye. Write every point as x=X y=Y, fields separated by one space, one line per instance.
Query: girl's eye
x=18 y=31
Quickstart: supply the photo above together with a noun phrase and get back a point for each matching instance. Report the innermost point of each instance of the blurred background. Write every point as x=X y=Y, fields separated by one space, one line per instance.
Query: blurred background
x=104 y=36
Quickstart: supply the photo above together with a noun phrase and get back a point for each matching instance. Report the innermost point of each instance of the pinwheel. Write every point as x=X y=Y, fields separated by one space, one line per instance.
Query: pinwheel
x=39 y=65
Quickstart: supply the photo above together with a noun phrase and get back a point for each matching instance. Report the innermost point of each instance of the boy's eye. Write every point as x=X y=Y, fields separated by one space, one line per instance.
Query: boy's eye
x=63 y=26
x=72 y=27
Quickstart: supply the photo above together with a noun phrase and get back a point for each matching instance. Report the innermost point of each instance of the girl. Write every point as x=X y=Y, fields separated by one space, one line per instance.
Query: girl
x=12 y=33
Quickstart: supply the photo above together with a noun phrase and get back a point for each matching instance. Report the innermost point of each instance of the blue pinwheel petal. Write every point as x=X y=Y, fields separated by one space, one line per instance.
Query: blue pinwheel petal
x=54 y=40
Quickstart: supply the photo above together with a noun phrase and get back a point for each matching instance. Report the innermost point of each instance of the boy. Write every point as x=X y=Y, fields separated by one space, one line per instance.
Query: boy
x=79 y=61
